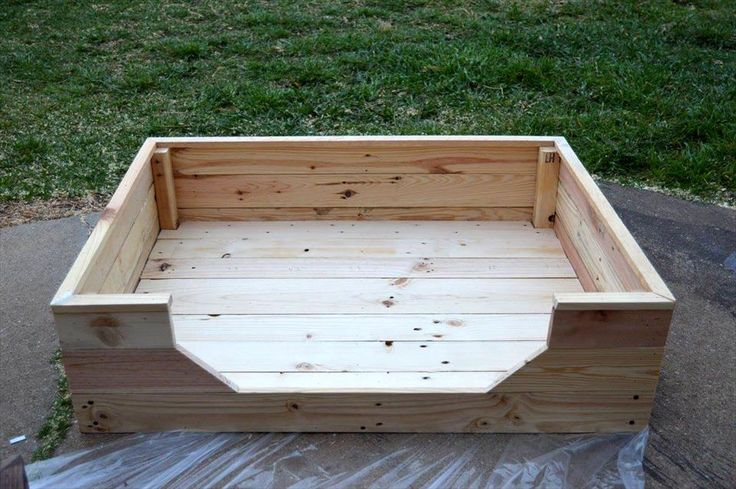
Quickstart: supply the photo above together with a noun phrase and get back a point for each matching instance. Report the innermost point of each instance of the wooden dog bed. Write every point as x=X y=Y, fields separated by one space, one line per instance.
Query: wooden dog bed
x=397 y=284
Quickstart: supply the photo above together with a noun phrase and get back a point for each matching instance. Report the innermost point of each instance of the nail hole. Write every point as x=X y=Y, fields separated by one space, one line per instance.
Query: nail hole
x=95 y=423
x=445 y=362
x=422 y=346
x=362 y=427
x=90 y=402
x=306 y=249
x=631 y=422
x=417 y=329
x=378 y=404
x=379 y=424
x=425 y=378
x=636 y=397
x=389 y=343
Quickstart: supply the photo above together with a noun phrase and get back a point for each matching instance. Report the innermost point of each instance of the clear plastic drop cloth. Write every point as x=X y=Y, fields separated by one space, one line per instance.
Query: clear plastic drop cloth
x=272 y=460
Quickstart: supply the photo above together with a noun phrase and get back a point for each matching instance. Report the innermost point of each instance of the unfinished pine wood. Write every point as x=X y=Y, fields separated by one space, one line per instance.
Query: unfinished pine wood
x=103 y=303
x=139 y=370
x=362 y=356
x=618 y=301
x=635 y=270
x=631 y=369
x=601 y=256
x=357 y=314
x=96 y=330
x=94 y=262
x=358 y=268
x=376 y=190
x=548 y=174
x=128 y=264
x=163 y=181
x=356 y=155
x=612 y=411
x=345 y=296
x=606 y=328
x=378 y=327
x=342 y=229
x=535 y=246
x=359 y=214
x=573 y=256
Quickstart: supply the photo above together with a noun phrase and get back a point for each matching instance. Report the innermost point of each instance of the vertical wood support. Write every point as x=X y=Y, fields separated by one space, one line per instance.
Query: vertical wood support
x=163 y=182
x=548 y=175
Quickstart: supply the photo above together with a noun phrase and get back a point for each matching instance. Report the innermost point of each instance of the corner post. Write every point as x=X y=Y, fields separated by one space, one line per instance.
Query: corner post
x=548 y=175
x=163 y=182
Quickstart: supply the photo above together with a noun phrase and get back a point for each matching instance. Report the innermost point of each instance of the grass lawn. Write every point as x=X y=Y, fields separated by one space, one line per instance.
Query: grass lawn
x=644 y=91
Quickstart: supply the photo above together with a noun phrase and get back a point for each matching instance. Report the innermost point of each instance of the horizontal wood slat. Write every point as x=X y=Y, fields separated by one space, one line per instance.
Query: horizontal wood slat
x=378 y=327
x=361 y=157
x=358 y=268
x=380 y=296
x=138 y=370
x=373 y=356
x=612 y=411
x=381 y=190
x=543 y=246
x=114 y=330
x=358 y=214
x=365 y=230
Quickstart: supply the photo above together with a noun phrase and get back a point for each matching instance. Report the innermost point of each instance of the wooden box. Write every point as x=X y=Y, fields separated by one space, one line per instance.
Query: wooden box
x=394 y=284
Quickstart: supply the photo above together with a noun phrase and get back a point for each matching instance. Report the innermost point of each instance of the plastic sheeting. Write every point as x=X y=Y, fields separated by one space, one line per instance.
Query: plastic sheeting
x=215 y=460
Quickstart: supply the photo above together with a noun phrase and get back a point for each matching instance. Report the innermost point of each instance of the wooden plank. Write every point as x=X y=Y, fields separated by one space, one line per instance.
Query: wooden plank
x=361 y=356
x=362 y=382
x=358 y=268
x=94 y=261
x=345 y=190
x=96 y=330
x=138 y=370
x=163 y=181
x=548 y=175
x=417 y=229
x=573 y=256
x=621 y=301
x=356 y=327
x=601 y=258
x=587 y=369
x=359 y=214
x=609 y=328
x=104 y=303
x=354 y=155
x=602 y=212
x=611 y=411
x=501 y=246
x=129 y=262
x=378 y=296
x=163 y=370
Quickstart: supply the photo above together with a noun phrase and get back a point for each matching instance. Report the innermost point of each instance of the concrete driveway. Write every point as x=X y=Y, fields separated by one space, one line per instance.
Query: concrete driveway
x=693 y=246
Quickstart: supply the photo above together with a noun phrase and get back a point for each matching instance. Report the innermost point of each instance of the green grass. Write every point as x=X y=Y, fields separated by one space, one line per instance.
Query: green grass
x=644 y=91
x=57 y=423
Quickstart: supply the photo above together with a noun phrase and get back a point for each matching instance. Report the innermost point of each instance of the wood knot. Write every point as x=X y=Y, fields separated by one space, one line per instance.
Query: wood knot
x=164 y=266
x=388 y=303
x=304 y=366
x=347 y=194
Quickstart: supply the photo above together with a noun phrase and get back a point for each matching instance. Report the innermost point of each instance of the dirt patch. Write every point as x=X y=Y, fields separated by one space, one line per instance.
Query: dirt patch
x=14 y=213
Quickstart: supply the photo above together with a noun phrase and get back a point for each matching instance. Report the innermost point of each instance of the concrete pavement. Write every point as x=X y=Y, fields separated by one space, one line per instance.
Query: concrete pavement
x=692 y=245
